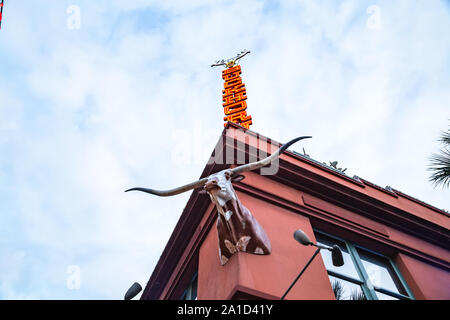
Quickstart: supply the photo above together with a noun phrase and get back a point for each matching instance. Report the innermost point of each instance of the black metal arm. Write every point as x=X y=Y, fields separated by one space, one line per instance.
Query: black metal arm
x=301 y=272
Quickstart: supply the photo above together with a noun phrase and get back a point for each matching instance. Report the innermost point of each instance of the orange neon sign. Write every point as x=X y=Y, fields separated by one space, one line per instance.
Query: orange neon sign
x=234 y=96
x=234 y=93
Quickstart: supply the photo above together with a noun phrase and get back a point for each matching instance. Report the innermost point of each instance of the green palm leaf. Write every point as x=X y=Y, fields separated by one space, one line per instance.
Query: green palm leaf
x=440 y=163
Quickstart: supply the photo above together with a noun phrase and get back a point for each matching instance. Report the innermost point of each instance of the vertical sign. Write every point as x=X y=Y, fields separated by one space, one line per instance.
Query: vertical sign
x=234 y=96
x=1 y=14
x=234 y=93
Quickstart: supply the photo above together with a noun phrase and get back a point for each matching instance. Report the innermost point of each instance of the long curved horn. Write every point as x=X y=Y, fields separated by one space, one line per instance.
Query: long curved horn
x=172 y=192
x=264 y=162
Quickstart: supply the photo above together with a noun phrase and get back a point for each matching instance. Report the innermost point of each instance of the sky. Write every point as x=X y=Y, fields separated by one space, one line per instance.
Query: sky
x=100 y=96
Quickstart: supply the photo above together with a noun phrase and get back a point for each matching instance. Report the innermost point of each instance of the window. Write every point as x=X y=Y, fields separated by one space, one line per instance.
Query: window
x=191 y=291
x=365 y=275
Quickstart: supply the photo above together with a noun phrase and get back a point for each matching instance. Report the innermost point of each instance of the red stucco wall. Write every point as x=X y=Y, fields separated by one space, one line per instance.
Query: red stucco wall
x=425 y=281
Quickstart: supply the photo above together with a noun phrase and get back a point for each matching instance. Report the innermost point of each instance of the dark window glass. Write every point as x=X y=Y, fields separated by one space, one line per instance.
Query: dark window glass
x=194 y=289
x=191 y=291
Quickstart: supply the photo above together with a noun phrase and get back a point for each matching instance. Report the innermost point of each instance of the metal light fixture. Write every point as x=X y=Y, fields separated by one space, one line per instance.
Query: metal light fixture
x=336 y=255
x=133 y=291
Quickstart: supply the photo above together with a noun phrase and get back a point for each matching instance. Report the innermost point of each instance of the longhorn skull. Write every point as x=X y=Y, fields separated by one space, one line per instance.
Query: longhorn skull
x=237 y=229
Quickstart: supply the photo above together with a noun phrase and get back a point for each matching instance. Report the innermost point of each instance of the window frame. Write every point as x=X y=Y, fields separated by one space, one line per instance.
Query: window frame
x=187 y=293
x=367 y=287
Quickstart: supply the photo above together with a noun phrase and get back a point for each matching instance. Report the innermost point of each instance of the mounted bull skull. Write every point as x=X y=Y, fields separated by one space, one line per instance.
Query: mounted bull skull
x=238 y=230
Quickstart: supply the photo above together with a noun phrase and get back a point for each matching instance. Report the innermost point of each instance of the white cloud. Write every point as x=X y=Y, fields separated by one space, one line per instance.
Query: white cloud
x=85 y=114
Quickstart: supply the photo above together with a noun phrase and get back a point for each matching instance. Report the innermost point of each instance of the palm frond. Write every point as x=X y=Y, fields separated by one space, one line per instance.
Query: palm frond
x=357 y=295
x=440 y=168
x=338 y=289
x=445 y=137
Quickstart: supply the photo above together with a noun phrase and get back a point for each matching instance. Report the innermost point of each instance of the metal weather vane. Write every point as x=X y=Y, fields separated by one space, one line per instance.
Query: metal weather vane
x=234 y=93
x=232 y=61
